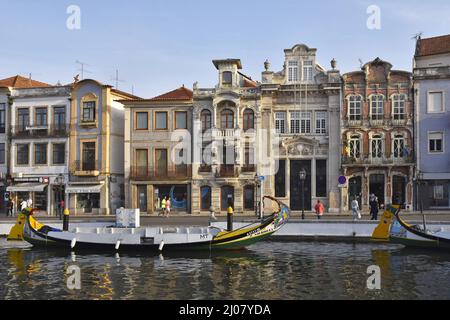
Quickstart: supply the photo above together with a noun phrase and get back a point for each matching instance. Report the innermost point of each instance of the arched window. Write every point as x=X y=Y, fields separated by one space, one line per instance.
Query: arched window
x=398 y=146
x=398 y=106
x=354 y=108
x=227 y=119
x=249 y=198
x=249 y=119
x=206 y=120
x=226 y=197
x=205 y=198
x=376 y=145
x=227 y=78
x=377 y=107
x=355 y=146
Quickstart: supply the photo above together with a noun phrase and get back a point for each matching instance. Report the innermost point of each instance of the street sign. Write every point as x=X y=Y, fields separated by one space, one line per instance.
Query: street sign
x=261 y=178
x=342 y=181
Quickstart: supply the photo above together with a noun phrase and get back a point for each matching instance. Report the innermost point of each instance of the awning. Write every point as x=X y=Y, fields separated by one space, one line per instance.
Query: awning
x=93 y=188
x=27 y=187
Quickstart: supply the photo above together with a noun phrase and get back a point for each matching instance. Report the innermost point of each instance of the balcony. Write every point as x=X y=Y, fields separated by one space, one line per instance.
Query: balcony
x=376 y=122
x=85 y=168
x=181 y=172
x=45 y=131
x=248 y=168
x=204 y=169
x=367 y=160
x=226 y=133
x=228 y=171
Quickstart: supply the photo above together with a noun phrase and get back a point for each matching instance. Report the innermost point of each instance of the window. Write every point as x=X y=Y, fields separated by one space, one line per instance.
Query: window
x=226 y=197
x=249 y=155
x=23 y=154
x=227 y=119
x=161 y=162
x=399 y=146
x=354 y=108
x=206 y=120
x=295 y=122
x=249 y=119
x=161 y=120
x=180 y=120
x=23 y=119
x=280 y=180
x=376 y=146
x=89 y=161
x=377 y=107
x=205 y=198
x=439 y=194
x=293 y=71
x=307 y=70
x=321 y=122
x=249 y=198
x=141 y=162
x=227 y=78
x=398 y=106
x=435 y=102
x=435 y=141
x=59 y=153
x=305 y=122
x=40 y=153
x=2 y=117
x=88 y=112
x=41 y=117
x=59 y=118
x=2 y=153
x=141 y=120
x=321 y=178
x=280 y=122
x=355 y=147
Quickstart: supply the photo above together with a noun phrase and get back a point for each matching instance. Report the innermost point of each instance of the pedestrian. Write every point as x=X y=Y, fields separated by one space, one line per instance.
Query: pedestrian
x=355 y=209
x=23 y=205
x=61 y=208
x=163 y=207
x=373 y=203
x=319 y=209
x=29 y=203
x=10 y=208
x=168 y=207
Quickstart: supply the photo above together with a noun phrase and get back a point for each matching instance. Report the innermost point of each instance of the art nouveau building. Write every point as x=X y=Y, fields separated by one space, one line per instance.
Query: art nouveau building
x=377 y=135
x=96 y=171
x=158 y=151
x=226 y=120
x=300 y=106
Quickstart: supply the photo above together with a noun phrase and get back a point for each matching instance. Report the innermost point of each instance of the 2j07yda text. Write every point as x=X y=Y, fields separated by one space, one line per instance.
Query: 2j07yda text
x=244 y=309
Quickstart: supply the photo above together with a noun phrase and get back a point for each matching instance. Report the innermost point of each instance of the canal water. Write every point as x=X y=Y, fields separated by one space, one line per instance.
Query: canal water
x=267 y=270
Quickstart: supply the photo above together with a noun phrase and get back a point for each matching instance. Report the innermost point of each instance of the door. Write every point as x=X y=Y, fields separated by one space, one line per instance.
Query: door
x=399 y=191
x=161 y=162
x=376 y=186
x=142 y=198
x=354 y=185
x=300 y=191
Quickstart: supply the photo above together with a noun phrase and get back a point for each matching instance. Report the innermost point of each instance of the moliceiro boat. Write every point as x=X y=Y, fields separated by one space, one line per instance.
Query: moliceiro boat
x=155 y=239
x=394 y=229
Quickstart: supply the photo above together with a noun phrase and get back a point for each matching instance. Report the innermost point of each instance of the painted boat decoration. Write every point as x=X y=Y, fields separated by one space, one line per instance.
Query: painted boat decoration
x=155 y=239
x=394 y=229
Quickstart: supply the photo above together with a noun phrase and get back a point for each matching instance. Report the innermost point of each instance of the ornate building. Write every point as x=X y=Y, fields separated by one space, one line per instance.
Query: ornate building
x=225 y=123
x=377 y=135
x=300 y=105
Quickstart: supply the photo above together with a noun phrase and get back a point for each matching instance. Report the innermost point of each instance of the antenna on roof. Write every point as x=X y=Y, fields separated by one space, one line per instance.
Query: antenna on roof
x=360 y=63
x=417 y=36
x=117 y=79
x=82 y=64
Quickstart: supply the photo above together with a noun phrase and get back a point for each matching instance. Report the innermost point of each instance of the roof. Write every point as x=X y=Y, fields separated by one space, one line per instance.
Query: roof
x=232 y=61
x=432 y=46
x=22 y=82
x=180 y=94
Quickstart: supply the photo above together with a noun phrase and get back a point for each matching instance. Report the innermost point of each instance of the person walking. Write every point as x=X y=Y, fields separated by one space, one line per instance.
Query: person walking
x=29 y=203
x=163 y=207
x=23 y=205
x=10 y=208
x=374 y=205
x=168 y=204
x=355 y=209
x=319 y=209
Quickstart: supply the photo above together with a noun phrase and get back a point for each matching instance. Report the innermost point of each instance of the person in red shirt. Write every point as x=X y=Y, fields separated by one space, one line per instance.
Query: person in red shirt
x=319 y=209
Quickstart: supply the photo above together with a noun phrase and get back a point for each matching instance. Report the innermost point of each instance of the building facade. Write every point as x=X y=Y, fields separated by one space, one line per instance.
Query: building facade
x=96 y=157
x=226 y=120
x=432 y=96
x=158 y=151
x=300 y=108
x=377 y=135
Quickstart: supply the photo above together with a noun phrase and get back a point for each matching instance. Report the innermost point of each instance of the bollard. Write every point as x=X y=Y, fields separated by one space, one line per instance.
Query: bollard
x=230 y=218
x=66 y=220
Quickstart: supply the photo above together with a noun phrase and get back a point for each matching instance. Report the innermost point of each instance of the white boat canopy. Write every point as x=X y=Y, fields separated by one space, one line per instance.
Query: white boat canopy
x=93 y=188
x=27 y=187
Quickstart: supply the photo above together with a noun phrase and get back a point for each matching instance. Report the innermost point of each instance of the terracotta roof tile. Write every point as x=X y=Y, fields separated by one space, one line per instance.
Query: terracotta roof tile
x=22 y=82
x=181 y=93
x=249 y=84
x=431 y=46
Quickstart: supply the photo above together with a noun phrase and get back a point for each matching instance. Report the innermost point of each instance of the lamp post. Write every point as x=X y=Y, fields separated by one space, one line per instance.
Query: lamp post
x=302 y=177
x=257 y=197
x=59 y=181
x=419 y=194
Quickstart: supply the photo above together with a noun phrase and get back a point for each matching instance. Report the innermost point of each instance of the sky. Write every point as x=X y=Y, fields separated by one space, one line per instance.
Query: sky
x=160 y=45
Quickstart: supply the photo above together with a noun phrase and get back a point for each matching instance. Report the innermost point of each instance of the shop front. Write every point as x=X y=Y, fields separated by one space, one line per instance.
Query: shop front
x=35 y=191
x=85 y=198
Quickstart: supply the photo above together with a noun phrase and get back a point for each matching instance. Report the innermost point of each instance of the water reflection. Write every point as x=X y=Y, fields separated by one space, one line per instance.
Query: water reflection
x=270 y=270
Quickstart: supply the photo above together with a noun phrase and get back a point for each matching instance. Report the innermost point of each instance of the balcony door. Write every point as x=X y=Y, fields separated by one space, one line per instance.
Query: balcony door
x=88 y=161
x=141 y=162
x=59 y=119
x=161 y=162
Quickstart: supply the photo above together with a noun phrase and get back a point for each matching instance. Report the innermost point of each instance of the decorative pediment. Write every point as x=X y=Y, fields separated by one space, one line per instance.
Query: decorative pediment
x=298 y=145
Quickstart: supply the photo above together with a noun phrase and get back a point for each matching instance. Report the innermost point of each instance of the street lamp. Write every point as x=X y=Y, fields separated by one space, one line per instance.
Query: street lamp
x=59 y=181
x=302 y=177
x=258 y=191
x=419 y=179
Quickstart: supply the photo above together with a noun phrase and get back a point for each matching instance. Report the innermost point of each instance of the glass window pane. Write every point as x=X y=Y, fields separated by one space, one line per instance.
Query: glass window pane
x=180 y=120
x=161 y=120
x=141 y=120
